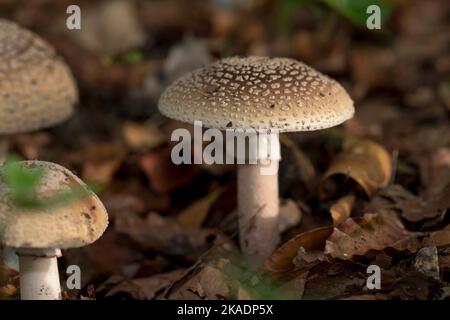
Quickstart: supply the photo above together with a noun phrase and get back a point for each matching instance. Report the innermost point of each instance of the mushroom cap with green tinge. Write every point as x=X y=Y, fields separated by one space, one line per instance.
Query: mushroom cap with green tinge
x=37 y=89
x=69 y=224
x=259 y=93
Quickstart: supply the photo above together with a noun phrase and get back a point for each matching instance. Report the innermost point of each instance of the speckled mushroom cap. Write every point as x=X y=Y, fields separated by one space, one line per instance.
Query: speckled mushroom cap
x=259 y=93
x=37 y=89
x=67 y=225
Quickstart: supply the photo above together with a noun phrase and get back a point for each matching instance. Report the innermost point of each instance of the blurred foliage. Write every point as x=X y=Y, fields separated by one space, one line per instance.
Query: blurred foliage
x=133 y=57
x=23 y=182
x=354 y=10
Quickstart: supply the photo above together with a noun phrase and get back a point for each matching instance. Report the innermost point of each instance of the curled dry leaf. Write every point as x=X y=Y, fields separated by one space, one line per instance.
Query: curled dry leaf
x=341 y=210
x=282 y=259
x=366 y=162
x=355 y=237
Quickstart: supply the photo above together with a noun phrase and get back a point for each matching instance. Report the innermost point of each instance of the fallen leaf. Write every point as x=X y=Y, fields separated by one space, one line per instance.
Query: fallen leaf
x=412 y=285
x=307 y=260
x=365 y=161
x=395 y=198
x=204 y=281
x=165 y=235
x=323 y=285
x=163 y=174
x=151 y=286
x=282 y=259
x=8 y=291
x=196 y=213
x=101 y=161
x=9 y=282
x=355 y=237
x=438 y=238
x=142 y=136
x=341 y=210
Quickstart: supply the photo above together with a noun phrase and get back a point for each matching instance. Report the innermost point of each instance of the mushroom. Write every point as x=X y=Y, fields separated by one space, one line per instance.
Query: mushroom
x=37 y=89
x=267 y=95
x=38 y=233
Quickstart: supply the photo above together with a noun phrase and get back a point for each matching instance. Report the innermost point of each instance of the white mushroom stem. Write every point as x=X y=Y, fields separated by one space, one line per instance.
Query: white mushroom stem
x=39 y=276
x=258 y=202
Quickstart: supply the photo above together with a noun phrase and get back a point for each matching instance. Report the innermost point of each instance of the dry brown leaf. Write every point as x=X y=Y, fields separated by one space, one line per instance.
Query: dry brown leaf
x=366 y=162
x=195 y=214
x=341 y=210
x=142 y=136
x=396 y=198
x=209 y=282
x=438 y=238
x=282 y=259
x=101 y=161
x=9 y=282
x=355 y=237
x=151 y=286
x=8 y=291
x=166 y=235
x=163 y=174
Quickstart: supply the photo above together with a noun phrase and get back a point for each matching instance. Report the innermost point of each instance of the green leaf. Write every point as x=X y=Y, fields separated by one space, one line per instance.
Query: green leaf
x=355 y=10
x=21 y=182
x=133 y=57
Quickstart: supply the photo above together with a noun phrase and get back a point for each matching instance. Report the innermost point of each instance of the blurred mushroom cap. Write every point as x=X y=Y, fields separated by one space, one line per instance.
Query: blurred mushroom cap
x=259 y=93
x=37 y=89
x=69 y=224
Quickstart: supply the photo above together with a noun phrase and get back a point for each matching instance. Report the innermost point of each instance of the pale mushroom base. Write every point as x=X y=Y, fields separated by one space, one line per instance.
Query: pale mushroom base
x=39 y=276
x=258 y=209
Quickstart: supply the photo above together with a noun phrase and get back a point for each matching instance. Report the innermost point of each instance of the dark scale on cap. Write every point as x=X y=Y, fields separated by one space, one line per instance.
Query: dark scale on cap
x=259 y=93
x=37 y=89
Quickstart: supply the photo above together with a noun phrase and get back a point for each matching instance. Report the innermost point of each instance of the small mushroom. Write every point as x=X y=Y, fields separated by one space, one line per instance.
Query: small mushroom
x=263 y=94
x=38 y=233
x=37 y=89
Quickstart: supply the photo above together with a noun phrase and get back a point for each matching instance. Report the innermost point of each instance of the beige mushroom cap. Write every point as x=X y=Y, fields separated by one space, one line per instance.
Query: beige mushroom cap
x=67 y=225
x=259 y=93
x=37 y=89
